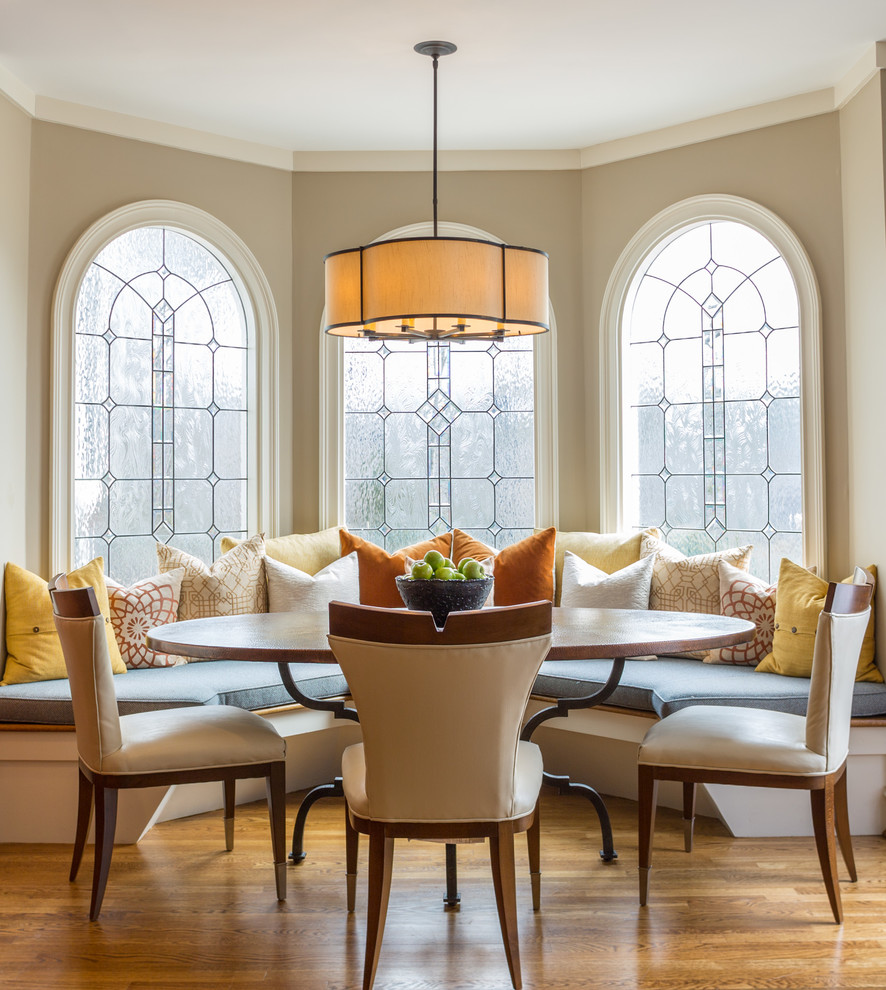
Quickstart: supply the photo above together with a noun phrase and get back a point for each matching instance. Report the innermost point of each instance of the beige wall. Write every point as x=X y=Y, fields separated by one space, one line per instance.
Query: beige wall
x=331 y=211
x=15 y=161
x=77 y=177
x=861 y=489
x=791 y=169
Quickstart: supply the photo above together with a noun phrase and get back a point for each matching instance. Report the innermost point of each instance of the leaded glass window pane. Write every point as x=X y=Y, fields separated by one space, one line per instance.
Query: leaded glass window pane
x=712 y=396
x=161 y=373
x=437 y=436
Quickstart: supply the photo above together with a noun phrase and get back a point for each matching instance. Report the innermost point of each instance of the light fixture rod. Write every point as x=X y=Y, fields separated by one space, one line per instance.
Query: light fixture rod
x=435 y=49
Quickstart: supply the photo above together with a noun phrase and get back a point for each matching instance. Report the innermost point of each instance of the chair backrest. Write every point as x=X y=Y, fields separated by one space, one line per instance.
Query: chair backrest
x=838 y=639
x=441 y=710
x=81 y=629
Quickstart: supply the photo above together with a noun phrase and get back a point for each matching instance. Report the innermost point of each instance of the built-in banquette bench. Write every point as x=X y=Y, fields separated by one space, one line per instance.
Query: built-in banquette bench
x=38 y=750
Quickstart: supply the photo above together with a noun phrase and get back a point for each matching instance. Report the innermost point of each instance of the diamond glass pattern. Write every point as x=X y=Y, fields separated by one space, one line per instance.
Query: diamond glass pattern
x=725 y=458
x=457 y=446
x=175 y=381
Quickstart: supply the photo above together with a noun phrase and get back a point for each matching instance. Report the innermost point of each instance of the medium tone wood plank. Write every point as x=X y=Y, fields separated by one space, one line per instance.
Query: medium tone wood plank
x=180 y=913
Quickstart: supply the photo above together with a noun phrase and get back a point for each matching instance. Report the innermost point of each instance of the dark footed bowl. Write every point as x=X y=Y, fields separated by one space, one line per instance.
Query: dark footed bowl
x=442 y=597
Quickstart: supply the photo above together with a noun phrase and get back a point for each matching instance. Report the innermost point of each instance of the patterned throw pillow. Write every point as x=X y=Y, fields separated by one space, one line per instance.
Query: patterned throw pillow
x=233 y=585
x=688 y=584
x=746 y=597
x=135 y=610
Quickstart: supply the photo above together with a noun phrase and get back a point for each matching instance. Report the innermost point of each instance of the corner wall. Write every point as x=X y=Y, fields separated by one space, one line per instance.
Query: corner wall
x=861 y=489
x=15 y=165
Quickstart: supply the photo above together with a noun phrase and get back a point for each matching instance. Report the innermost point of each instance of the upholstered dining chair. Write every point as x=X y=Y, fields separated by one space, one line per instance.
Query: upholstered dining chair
x=761 y=748
x=156 y=748
x=441 y=757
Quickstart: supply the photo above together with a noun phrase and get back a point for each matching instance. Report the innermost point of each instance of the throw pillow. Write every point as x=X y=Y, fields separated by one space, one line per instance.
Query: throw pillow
x=32 y=644
x=610 y=552
x=378 y=568
x=586 y=586
x=309 y=552
x=746 y=597
x=688 y=584
x=233 y=585
x=523 y=572
x=798 y=605
x=140 y=607
x=293 y=590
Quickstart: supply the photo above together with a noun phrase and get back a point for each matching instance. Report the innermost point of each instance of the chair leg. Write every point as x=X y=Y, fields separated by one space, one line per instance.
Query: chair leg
x=533 y=845
x=275 y=783
x=381 y=859
x=352 y=847
x=823 y=823
x=230 y=787
x=647 y=792
x=688 y=814
x=84 y=818
x=501 y=854
x=844 y=836
x=105 y=826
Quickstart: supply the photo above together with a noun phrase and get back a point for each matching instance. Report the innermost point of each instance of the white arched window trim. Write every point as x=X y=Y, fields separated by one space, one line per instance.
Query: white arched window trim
x=250 y=280
x=332 y=483
x=661 y=228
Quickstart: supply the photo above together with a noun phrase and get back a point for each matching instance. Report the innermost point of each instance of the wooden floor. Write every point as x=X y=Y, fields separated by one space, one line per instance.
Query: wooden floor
x=181 y=913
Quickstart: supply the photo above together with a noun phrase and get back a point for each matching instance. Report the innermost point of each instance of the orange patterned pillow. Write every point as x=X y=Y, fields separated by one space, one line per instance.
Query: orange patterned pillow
x=140 y=607
x=378 y=568
x=523 y=572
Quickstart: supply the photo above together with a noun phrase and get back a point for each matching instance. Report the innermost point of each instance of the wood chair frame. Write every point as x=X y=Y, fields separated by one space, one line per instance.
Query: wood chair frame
x=827 y=791
x=98 y=792
x=482 y=626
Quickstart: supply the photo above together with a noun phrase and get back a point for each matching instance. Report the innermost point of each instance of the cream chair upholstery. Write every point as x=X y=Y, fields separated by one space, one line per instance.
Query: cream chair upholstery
x=174 y=746
x=441 y=758
x=713 y=744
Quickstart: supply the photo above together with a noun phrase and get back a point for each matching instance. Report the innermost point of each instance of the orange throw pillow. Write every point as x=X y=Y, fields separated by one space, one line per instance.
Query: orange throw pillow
x=524 y=571
x=378 y=568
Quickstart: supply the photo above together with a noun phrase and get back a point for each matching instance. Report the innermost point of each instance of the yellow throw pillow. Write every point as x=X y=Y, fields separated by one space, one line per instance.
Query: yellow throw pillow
x=799 y=601
x=35 y=652
x=610 y=552
x=308 y=552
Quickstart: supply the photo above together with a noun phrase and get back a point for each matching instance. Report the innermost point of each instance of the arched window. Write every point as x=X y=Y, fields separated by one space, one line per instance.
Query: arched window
x=712 y=387
x=437 y=435
x=164 y=441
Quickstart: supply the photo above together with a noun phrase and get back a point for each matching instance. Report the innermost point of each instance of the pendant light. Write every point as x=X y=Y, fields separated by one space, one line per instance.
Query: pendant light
x=435 y=288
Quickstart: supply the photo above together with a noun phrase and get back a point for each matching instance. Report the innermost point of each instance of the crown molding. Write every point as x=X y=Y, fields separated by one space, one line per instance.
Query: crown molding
x=527 y=160
x=691 y=132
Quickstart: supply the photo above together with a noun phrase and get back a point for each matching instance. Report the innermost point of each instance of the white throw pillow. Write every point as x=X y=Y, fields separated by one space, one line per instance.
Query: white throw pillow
x=586 y=586
x=292 y=590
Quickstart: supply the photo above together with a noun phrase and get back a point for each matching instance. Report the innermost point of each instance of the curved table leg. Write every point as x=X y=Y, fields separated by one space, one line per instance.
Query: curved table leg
x=298 y=830
x=562 y=782
x=565 y=786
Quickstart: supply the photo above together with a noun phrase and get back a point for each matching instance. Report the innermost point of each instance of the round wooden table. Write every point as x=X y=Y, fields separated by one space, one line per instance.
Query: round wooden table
x=577 y=634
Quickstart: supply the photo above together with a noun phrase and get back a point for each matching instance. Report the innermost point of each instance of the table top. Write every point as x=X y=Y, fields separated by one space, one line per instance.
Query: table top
x=577 y=634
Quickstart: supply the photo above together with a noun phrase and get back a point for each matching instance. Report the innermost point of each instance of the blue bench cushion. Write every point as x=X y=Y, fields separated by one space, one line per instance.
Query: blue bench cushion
x=216 y=682
x=670 y=683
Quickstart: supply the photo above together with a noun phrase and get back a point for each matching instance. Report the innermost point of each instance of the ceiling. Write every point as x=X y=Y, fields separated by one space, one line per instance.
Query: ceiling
x=341 y=75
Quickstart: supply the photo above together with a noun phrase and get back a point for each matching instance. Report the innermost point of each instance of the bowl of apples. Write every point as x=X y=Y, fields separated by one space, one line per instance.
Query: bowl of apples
x=439 y=586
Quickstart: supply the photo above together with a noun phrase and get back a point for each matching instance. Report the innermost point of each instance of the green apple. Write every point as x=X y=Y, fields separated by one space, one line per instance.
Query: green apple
x=463 y=562
x=421 y=571
x=458 y=577
x=435 y=559
x=473 y=570
x=445 y=573
x=448 y=563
